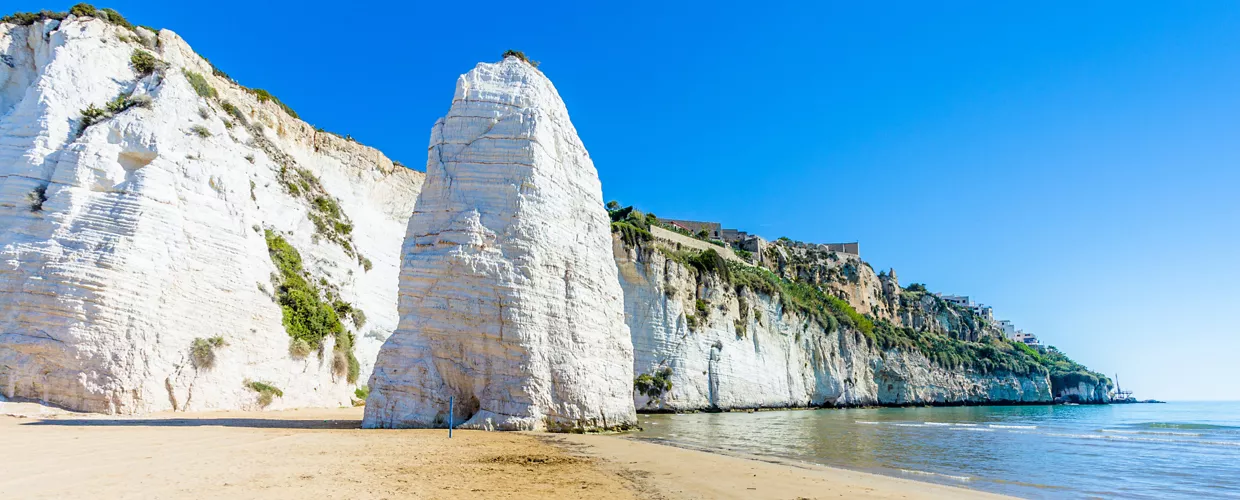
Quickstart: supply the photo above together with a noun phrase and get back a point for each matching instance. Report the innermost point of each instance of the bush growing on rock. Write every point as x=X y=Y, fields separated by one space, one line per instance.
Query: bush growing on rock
x=299 y=348
x=29 y=18
x=83 y=9
x=200 y=84
x=655 y=385
x=307 y=317
x=115 y=17
x=200 y=131
x=264 y=96
x=519 y=55
x=234 y=112
x=37 y=198
x=123 y=102
x=632 y=226
x=90 y=116
x=202 y=351
x=266 y=392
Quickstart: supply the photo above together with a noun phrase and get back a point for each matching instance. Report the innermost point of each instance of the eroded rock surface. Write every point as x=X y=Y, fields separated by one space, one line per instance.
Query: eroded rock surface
x=123 y=241
x=509 y=300
x=701 y=343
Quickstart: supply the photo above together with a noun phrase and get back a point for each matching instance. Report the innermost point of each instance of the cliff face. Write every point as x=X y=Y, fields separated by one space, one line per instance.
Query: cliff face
x=1084 y=392
x=846 y=276
x=509 y=300
x=140 y=199
x=703 y=343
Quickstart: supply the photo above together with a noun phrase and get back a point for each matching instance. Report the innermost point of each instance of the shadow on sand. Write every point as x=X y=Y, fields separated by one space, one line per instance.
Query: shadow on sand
x=257 y=423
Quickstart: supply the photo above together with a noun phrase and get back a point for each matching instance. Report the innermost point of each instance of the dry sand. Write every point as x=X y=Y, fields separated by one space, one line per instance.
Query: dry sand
x=323 y=454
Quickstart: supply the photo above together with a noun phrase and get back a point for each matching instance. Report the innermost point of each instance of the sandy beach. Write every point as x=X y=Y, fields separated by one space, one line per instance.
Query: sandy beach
x=323 y=454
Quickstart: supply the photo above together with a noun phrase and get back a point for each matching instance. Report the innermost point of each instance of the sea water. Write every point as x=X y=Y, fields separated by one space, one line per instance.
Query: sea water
x=1156 y=451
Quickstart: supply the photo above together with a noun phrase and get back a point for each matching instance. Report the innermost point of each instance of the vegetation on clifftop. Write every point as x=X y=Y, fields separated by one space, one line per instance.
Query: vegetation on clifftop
x=991 y=355
x=520 y=55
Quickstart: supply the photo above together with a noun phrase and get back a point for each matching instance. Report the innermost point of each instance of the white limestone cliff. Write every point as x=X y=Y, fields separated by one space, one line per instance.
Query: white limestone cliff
x=121 y=245
x=1084 y=392
x=509 y=299
x=743 y=349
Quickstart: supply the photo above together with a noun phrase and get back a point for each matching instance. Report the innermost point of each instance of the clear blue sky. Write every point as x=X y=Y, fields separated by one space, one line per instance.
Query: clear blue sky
x=1075 y=165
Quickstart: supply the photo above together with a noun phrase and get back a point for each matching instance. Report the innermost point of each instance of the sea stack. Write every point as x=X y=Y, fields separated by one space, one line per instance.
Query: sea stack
x=509 y=300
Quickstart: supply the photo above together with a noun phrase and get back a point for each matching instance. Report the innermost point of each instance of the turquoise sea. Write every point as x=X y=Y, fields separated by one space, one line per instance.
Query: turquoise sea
x=1155 y=451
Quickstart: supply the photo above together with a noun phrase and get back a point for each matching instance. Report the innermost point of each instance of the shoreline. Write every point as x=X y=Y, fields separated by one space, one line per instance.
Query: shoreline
x=952 y=404
x=325 y=453
x=673 y=470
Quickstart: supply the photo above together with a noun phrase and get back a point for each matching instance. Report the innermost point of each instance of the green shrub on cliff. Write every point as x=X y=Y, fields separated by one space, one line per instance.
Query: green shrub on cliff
x=306 y=316
x=264 y=96
x=829 y=311
x=633 y=227
x=989 y=356
x=200 y=84
x=202 y=351
x=1066 y=373
x=266 y=392
x=654 y=385
x=29 y=18
x=115 y=17
x=520 y=55
x=143 y=62
x=83 y=9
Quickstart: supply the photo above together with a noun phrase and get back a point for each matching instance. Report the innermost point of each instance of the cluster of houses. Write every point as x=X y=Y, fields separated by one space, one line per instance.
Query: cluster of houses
x=986 y=312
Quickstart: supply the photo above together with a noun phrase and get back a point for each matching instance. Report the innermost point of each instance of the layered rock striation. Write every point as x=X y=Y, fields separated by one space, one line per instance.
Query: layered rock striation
x=509 y=299
x=702 y=342
x=156 y=218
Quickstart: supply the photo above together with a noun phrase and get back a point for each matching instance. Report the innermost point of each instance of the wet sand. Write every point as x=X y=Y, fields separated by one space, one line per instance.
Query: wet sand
x=323 y=454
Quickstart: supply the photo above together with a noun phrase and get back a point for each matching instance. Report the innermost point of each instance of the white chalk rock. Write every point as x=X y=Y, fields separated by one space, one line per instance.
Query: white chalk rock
x=745 y=350
x=121 y=245
x=509 y=299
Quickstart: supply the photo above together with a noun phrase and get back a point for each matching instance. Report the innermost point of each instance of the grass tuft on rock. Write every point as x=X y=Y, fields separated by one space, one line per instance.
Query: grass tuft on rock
x=200 y=84
x=202 y=351
x=266 y=392
x=264 y=96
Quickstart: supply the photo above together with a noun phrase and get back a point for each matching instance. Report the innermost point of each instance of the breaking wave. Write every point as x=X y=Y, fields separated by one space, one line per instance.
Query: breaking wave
x=963 y=479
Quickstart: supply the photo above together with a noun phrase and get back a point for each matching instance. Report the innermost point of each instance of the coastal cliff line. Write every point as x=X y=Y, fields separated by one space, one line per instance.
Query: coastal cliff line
x=173 y=240
x=791 y=325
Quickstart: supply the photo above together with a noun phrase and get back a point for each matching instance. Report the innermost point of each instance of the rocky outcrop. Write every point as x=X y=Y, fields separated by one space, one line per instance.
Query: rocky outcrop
x=1084 y=392
x=879 y=295
x=703 y=343
x=509 y=300
x=136 y=194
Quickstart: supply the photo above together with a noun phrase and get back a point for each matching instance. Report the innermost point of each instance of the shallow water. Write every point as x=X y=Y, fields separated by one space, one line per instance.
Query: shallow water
x=1156 y=451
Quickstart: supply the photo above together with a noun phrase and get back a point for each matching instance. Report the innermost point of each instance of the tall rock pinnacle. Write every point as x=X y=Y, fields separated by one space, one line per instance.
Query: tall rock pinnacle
x=509 y=299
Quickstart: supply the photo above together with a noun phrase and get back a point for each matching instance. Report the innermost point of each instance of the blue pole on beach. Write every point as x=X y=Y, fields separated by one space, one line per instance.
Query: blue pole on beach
x=451 y=417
